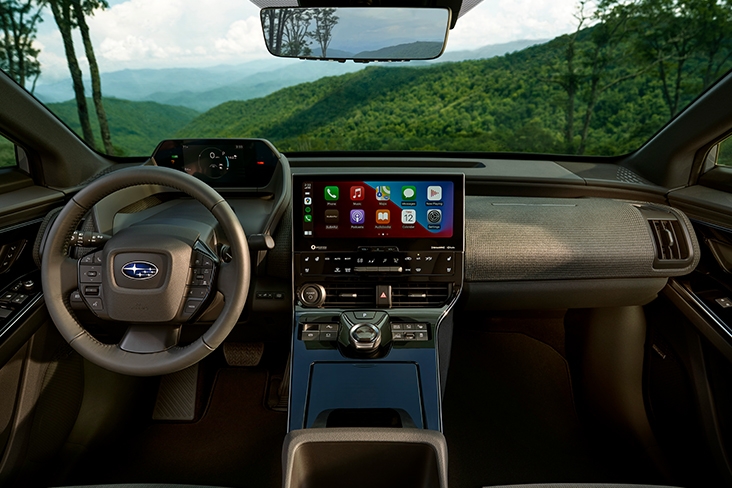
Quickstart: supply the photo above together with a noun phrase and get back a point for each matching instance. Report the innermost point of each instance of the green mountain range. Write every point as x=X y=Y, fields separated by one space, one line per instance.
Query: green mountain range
x=136 y=127
x=500 y=104
x=518 y=102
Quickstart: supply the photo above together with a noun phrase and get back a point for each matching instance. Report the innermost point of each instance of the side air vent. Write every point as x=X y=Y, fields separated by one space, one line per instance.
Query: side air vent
x=420 y=294
x=350 y=295
x=669 y=239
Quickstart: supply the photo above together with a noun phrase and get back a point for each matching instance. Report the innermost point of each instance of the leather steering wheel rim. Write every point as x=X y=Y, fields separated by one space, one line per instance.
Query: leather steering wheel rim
x=56 y=261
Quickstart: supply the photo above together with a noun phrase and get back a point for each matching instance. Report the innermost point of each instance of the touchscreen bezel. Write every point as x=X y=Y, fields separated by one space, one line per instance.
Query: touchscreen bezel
x=455 y=243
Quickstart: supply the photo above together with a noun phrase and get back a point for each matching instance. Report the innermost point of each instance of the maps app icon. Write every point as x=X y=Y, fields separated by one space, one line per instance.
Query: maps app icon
x=383 y=193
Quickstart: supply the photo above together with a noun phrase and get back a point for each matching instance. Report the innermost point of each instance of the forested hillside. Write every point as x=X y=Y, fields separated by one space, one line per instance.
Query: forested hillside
x=7 y=153
x=136 y=127
x=600 y=90
x=499 y=104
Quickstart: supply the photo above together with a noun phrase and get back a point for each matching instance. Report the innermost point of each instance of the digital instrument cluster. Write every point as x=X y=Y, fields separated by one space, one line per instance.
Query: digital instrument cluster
x=222 y=163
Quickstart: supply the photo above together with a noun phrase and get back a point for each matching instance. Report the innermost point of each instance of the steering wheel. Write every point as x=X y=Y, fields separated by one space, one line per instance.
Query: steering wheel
x=153 y=277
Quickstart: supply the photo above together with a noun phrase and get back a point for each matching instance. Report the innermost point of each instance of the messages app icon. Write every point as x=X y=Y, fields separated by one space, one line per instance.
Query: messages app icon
x=409 y=193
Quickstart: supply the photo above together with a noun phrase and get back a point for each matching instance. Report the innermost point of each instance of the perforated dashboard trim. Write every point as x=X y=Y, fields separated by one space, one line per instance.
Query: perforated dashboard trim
x=509 y=238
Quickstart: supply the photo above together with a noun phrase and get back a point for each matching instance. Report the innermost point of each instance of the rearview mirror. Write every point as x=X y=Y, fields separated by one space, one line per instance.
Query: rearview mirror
x=361 y=34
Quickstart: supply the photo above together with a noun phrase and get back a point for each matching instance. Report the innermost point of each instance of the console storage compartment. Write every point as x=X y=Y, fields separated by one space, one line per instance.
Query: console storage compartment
x=364 y=457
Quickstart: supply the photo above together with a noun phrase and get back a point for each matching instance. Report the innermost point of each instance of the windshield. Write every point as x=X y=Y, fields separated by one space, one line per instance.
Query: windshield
x=535 y=76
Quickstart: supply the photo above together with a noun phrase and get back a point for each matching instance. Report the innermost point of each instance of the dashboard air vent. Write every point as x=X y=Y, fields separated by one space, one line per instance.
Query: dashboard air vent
x=420 y=294
x=669 y=239
x=350 y=295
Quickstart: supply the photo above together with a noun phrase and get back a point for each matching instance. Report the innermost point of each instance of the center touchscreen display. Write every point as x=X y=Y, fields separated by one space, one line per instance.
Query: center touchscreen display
x=379 y=209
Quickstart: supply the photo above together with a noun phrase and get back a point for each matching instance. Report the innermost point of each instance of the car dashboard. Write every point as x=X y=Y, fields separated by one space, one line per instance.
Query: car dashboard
x=371 y=256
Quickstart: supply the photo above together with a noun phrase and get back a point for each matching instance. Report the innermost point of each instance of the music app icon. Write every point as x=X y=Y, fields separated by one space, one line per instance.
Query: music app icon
x=357 y=193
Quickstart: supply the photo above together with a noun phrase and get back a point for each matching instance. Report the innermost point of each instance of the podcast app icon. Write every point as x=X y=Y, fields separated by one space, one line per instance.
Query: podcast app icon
x=357 y=216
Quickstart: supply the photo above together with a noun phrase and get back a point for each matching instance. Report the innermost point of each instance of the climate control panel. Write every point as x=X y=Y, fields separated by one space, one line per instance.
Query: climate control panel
x=390 y=263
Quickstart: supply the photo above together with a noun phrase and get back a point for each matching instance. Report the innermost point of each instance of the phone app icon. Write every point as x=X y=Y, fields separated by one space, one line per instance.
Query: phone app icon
x=383 y=193
x=331 y=193
x=308 y=218
x=434 y=193
x=434 y=216
x=409 y=193
x=357 y=193
x=358 y=216
x=409 y=217
x=383 y=216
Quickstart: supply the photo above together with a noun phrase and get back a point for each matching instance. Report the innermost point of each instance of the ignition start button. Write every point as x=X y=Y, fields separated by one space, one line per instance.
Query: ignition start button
x=312 y=295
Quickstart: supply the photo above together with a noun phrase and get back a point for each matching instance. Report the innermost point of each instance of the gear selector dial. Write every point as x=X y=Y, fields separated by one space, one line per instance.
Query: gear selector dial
x=365 y=337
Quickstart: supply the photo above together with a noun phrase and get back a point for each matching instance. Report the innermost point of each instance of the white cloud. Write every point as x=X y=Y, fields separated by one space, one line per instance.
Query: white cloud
x=130 y=48
x=194 y=33
x=162 y=34
x=244 y=37
x=499 y=21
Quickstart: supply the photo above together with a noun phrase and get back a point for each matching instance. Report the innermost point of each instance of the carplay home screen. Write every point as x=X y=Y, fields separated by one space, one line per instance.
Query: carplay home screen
x=373 y=209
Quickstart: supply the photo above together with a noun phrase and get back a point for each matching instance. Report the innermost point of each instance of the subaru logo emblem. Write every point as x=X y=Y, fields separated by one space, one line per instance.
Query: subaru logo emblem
x=139 y=270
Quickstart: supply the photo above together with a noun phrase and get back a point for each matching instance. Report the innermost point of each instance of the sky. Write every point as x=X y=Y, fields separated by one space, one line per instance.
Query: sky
x=137 y=34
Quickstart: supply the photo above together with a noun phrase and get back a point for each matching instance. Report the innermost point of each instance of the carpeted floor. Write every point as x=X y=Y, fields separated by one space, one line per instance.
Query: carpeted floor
x=237 y=442
x=509 y=417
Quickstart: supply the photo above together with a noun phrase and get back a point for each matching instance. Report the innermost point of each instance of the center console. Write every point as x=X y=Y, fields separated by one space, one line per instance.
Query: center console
x=378 y=265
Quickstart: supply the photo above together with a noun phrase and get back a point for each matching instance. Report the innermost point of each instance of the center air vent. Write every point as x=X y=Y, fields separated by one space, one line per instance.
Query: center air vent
x=350 y=295
x=669 y=239
x=420 y=294
x=403 y=295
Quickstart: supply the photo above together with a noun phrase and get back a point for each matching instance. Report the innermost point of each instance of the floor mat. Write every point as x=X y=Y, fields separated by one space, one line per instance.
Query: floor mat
x=237 y=442
x=509 y=416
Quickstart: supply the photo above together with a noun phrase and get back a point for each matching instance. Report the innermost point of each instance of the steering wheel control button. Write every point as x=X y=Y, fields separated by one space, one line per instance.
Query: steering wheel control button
x=201 y=277
x=200 y=260
x=197 y=292
x=91 y=290
x=96 y=304
x=191 y=306
x=365 y=337
x=90 y=274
